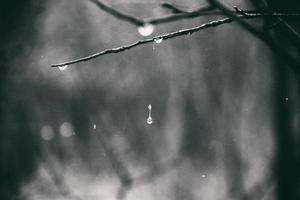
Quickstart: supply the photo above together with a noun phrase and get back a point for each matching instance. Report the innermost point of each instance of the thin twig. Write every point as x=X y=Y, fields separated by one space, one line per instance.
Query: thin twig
x=118 y=14
x=170 y=35
x=179 y=15
x=281 y=20
x=195 y=14
x=177 y=10
x=292 y=30
x=173 y=8
x=276 y=48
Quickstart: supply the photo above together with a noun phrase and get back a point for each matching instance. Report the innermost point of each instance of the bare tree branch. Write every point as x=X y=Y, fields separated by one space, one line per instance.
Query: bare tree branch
x=289 y=27
x=280 y=19
x=172 y=8
x=178 y=14
x=175 y=9
x=276 y=48
x=118 y=14
x=167 y=36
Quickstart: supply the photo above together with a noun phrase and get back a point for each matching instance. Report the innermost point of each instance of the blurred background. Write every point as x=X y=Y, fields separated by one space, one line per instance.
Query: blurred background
x=224 y=108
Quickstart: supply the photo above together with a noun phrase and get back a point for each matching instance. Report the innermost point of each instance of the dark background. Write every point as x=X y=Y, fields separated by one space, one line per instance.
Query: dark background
x=225 y=108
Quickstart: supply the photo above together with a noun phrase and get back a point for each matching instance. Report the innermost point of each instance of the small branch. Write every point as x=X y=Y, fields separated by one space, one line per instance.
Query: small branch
x=177 y=10
x=140 y=42
x=118 y=14
x=178 y=15
x=241 y=12
x=292 y=30
x=279 y=21
x=171 y=35
x=173 y=8
x=276 y=48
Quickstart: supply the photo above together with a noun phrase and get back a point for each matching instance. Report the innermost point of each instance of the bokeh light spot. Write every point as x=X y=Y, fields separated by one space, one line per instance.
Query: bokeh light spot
x=66 y=130
x=47 y=132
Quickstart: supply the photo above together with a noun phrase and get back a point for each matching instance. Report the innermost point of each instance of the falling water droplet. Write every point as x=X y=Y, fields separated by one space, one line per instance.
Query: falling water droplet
x=62 y=68
x=158 y=40
x=94 y=126
x=146 y=29
x=149 y=119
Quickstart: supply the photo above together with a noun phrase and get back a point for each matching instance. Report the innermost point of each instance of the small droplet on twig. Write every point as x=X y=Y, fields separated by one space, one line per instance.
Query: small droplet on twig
x=158 y=40
x=146 y=29
x=62 y=68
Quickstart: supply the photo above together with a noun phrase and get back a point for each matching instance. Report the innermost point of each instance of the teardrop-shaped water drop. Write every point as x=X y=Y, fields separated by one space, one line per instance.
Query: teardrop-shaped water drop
x=149 y=120
x=146 y=29
x=158 y=40
x=62 y=68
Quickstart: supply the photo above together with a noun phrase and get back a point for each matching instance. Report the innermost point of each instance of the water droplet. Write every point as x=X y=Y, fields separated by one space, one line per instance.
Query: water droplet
x=149 y=120
x=286 y=99
x=203 y=176
x=158 y=40
x=62 y=68
x=94 y=126
x=146 y=29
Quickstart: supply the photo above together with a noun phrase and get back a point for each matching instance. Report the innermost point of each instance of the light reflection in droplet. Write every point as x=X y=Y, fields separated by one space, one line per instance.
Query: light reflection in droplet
x=146 y=29
x=149 y=120
x=203 y=176
x=62 y=68
x=158 y=40
x=47 y=132
x=66 y=130
x=94 y=126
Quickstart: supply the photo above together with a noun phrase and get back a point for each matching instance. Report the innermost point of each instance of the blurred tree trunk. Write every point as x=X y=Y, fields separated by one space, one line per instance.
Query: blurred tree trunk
x=286 y=99
x=17 y=147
